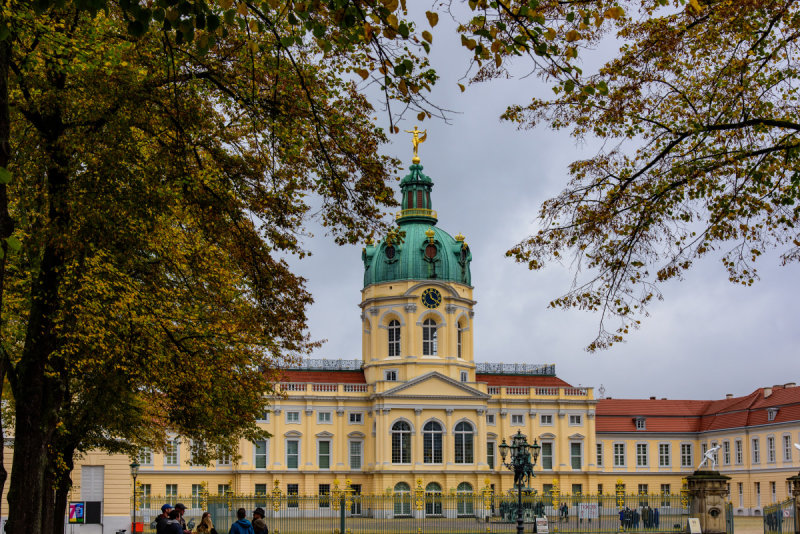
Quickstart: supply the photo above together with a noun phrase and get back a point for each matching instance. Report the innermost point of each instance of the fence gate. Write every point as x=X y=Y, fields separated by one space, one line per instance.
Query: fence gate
x=779 y=518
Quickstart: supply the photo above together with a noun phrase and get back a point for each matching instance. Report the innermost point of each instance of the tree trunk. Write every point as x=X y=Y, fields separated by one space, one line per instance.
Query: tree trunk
x=63 y=485
x=49 y=493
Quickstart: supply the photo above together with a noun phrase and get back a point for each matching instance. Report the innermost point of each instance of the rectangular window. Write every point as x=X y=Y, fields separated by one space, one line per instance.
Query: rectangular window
x=619 y=455
x=490 y=419
x=642 y=490
x=197 y=496
x=261 y=495
x=574 y=420
x=739 y=454
x=260 y=454
x=547 y=455
x=770 y=449
x=599 y=455
x=459 y=335
x=641 y=455
x=687 y=459
x=756 y=452
x=546 y=419
x=758 y=493
x=324 y=495
x=293 y=417
x=390 y=375
x=223 y=489
x=263 y=417
x=146 y=456
x=224 y=459
x=171 y=452
x=664 y=456
x=355 y=455
x=323 y=417
x=196 y=450
x=665 y=493
x=394 y=339
x=726 y=452
x=356 y=418
x=577 y=489
x=464 y=376
x=599 y=489
x=773 y=489
x=741 y=494
x=324 y=454
x=576 y=455
x=787 y=448
x=144 y=495
x=490 y=454
x=640 y=423
x=292 y=453
x=171 y=492
x=292 y=491
x=517 y=419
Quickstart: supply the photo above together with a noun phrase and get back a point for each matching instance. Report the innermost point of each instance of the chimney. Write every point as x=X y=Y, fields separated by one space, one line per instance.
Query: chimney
x=652 y=398
x=789 y=385
x=729 y=395
x=777 y=386
x=767 y=392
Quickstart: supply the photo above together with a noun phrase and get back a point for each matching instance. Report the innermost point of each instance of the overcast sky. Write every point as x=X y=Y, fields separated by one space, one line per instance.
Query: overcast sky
x=707 y=338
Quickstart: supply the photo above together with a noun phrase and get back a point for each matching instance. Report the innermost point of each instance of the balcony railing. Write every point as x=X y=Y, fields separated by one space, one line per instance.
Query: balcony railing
x=420 y=212
x=539 y=391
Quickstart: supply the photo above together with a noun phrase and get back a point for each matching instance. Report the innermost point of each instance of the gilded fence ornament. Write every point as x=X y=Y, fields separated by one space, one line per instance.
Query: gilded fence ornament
x=419 y=495
x=556 y=493
x=229 y=496
x=276 y=496
x=684 y=492
x=204 y=495
x=487 y=494
x=620 y=492
x=348 y=493
x=335 y=494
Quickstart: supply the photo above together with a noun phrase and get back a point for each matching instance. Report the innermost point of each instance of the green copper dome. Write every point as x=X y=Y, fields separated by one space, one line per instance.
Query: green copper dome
x=425 y=252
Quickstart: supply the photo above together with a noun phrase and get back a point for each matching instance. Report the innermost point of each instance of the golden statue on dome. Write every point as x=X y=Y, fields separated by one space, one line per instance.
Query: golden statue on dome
x=416 y=139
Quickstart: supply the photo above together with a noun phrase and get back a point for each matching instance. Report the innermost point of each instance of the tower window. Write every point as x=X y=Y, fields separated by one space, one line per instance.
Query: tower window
x=401 y=443
x=459 y=334
x=429 y=343
x=394 y=337
x=420 y=199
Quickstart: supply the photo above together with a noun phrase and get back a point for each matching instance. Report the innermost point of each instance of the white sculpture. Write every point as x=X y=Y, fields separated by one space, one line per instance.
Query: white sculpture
x=708 y=457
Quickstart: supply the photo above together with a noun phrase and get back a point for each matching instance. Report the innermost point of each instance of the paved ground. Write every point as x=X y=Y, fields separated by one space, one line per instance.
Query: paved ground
x=748 y=525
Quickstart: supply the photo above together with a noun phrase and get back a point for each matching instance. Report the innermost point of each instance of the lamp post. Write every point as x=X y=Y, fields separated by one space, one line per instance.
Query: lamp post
x=134 y=474
x=522 y=460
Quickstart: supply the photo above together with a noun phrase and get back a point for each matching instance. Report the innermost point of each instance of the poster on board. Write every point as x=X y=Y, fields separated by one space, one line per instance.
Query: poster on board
x=77 y=512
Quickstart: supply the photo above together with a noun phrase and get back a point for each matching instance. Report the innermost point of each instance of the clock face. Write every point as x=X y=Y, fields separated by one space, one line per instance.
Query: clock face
x=431 y=298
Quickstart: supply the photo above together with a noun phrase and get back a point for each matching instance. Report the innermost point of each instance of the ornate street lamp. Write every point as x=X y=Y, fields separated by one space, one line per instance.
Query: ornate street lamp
x=134 y=474
x=522 y=460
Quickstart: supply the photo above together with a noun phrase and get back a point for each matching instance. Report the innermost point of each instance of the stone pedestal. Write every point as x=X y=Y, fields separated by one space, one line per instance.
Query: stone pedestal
x=707 y=491
x=795 y=482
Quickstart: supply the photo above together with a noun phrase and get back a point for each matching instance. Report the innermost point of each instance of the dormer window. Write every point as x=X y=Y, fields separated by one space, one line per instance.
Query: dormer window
x=430 y=251
x=771 y=413
x=640 y=423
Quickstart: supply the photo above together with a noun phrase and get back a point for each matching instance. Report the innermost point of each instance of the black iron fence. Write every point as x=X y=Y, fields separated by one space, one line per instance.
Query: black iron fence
x=434 y=513
x=780 y=517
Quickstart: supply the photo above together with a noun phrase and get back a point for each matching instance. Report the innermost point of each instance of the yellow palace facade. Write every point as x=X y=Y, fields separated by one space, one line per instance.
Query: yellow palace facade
x=417 y=409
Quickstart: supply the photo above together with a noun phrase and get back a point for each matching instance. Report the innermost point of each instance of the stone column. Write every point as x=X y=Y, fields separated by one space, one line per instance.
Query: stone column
x=795 y=481
x=707 y=491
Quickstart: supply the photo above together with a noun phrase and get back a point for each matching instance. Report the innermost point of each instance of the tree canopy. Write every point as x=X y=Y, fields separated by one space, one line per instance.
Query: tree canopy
x=158 y=165
x=696 y=104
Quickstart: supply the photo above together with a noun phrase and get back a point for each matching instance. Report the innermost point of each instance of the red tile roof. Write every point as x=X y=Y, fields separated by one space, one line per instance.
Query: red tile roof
x=521 y=380
x=665 y=415
x=324 y=377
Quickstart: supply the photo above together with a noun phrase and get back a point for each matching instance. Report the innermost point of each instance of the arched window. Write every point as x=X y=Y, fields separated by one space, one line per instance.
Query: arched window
x=401 y=443
x=465 y=498
x=464 y=443
x=394 y=337
x=429 y=338
x=433 y=499
x=459 y=334
x=432 y=441
x=402 y=499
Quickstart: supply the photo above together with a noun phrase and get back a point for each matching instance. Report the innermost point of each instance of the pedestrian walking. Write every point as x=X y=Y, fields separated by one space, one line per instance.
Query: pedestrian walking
x=206 y=526
x=242 y=525
x=259 y=525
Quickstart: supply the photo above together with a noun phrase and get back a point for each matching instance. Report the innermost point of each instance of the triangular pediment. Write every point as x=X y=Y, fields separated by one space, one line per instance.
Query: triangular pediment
x=434 y=384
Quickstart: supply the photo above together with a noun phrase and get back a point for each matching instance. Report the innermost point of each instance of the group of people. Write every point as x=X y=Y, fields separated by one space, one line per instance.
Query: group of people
x=171 y=521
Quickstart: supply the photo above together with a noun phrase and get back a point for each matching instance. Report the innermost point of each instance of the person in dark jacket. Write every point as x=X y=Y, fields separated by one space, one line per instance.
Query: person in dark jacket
x=162 y=519
x=242 y=525
x=181 y=509
x=259 y=525
x=173 y=526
